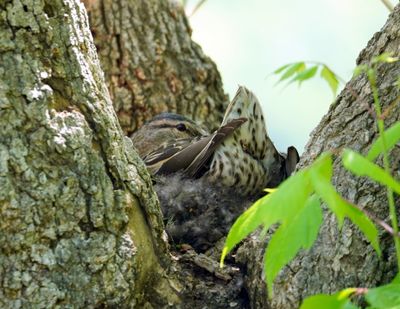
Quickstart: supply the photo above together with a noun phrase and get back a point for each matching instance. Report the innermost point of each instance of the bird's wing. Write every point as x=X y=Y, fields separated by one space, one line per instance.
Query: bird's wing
x=217 y=138
x=155 y=159
x=188 y=154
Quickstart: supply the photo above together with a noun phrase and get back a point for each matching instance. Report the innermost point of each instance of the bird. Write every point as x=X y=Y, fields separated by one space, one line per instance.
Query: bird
x=239 y=154
x=163 y=130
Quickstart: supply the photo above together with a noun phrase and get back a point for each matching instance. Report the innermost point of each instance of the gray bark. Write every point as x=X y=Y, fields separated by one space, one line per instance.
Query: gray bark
x=341 y=259
x=151 y=64
x=80 y=223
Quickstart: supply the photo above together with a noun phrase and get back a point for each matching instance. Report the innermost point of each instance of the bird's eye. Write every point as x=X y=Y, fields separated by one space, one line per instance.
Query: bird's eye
x=181 y=127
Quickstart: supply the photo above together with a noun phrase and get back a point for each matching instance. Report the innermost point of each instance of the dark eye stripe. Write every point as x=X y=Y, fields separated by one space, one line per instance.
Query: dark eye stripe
x=164 y=125
x=179 y=126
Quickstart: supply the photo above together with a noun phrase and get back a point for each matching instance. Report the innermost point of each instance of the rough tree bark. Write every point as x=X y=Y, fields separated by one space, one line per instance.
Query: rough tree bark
x=342 y=259
x=151 y=64
x=80 y=223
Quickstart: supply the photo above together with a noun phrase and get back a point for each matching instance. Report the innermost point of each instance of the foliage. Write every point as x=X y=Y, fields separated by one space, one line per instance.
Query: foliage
x=383 y=297
x=302 y=71
x=390 y=136
x=335 y=301
x=296 y=204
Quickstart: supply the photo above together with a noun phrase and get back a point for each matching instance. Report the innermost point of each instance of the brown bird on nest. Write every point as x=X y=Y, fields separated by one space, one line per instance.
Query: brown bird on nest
x=238 y=154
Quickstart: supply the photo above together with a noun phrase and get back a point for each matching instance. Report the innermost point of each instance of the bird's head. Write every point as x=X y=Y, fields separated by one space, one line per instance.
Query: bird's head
x=163 y=129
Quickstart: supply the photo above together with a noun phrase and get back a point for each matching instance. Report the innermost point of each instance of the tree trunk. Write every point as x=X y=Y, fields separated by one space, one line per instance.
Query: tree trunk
x=341 y=259
x=80 y=223
x=151 y=64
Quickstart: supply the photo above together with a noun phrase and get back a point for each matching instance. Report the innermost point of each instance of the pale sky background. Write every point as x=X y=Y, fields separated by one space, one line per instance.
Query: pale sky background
x=249 y=39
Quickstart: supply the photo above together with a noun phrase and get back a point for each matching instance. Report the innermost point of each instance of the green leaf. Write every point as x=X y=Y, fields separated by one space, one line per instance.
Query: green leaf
x=243 y=226
x=362 y=68
x=339 y=300
x=304 y=75
x=278 y=206
x=292 y=69
x=329 y=195
x=320 y=175
x=330 y=78
x=387 y=296
x=280 y=69
x=392 y=136
x=323 y=166
x=371 y=73
x=361 y=166
x=384 y=58
x=300 y=231
x=350 y=305
x=396 y=279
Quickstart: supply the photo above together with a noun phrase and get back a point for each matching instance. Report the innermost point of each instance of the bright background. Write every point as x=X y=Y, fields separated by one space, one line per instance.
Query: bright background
x=249 y=39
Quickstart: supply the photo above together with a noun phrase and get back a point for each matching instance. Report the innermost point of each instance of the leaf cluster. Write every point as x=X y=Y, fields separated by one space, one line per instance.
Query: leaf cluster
x=302 y=71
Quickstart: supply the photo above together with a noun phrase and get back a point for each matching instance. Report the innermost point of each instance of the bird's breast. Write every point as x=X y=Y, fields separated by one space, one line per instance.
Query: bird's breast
x=233 y=167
